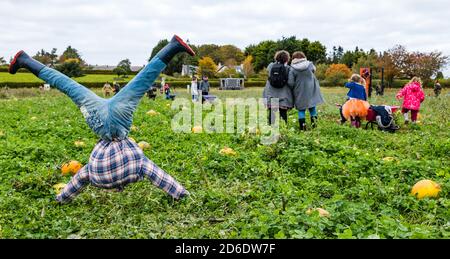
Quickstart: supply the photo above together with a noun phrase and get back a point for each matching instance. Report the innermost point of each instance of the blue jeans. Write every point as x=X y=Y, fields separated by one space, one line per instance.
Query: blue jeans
x=110 y=119
x=312 y=113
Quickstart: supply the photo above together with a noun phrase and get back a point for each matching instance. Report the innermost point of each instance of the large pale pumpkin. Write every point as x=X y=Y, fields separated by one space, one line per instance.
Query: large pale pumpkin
x=227 y=152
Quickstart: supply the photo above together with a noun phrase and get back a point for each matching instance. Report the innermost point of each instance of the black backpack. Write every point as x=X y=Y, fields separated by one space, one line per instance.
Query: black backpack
x=278 y=75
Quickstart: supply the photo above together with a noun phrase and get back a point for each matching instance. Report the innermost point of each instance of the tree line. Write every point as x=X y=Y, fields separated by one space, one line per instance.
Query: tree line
x=334 y=66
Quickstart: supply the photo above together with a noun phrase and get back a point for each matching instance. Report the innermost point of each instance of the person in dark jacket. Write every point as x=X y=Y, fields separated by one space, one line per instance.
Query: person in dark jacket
x=305 y=87
x=151 y=93
x=283 y=94
x=437 y=88
x=116 y=87
x=204 y=87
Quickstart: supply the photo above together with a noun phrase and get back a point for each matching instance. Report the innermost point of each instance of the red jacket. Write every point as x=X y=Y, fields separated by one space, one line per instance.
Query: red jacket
x=413 y=96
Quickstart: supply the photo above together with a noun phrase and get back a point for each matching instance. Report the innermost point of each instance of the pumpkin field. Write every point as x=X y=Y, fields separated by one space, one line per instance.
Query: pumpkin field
x=333 y=182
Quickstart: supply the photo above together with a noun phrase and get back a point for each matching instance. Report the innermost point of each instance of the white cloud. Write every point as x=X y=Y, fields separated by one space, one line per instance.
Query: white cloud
x=107 y=31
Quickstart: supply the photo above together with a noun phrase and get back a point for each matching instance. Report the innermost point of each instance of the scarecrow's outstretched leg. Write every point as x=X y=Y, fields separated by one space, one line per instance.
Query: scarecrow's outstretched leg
x=123 y=105
x=92 y=106
x=78 y=93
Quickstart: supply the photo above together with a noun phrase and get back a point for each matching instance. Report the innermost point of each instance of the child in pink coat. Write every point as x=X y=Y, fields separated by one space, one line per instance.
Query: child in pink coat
x=413 y=96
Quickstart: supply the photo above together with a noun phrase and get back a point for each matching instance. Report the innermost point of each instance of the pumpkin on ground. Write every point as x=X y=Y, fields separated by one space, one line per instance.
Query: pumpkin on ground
x=227 y=151
x=322 y=213
x=426 y=189
x=152 y=113
x=144 y=145
x=59 y=187
x=71 y=168
x=80 y=143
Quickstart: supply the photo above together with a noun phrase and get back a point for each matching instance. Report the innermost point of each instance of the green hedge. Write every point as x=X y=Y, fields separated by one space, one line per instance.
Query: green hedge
x=105 y=72
x=183 y=84
x=6 y=69
x=20 y=85
x=36 y=84
x=87 y=72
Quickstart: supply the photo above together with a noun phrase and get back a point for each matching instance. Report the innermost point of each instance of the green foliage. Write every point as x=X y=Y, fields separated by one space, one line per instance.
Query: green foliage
x=370 y=61
x=321 y=70
x=120 y=71
x=47 y=58
x=228 y=52
x=336 y=55
x=71 y=68
x=263 y=53
x=350 y=58
x=209 y=50
x=123 y=68
x=70 y=53
x=207 y=67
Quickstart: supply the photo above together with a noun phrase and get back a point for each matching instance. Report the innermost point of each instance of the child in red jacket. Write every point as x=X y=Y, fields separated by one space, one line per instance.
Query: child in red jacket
x=413 y=96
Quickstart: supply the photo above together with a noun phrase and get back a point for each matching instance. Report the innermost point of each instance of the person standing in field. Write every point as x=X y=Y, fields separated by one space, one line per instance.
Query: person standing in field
x=413 y=96
x=437 y=88
x=204 y=87
x=116 y=87
x=305 y=87
x=116 y=160
x=277 y=87
x=107 y=89
x=194 y=89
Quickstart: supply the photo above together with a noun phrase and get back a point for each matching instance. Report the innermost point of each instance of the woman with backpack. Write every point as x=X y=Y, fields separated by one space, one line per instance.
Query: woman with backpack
x=277 y=87
x=305 y=87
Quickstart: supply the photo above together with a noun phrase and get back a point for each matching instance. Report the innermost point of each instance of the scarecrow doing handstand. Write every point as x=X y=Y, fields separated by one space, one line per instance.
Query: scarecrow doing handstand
x=116 y=160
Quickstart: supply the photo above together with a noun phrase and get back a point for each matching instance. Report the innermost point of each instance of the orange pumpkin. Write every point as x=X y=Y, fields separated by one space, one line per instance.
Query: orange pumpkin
x=71 y=168
x=65 y=170
x=355 y=108
x=75 y=166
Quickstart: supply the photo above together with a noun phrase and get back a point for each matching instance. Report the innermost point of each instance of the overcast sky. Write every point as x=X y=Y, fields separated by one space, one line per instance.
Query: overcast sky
x=106 y=31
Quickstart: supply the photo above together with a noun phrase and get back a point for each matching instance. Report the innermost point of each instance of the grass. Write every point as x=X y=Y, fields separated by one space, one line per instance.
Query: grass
x=263 y=192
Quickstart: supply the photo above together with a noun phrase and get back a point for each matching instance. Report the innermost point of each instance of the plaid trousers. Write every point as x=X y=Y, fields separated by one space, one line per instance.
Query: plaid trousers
x=115 y=164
